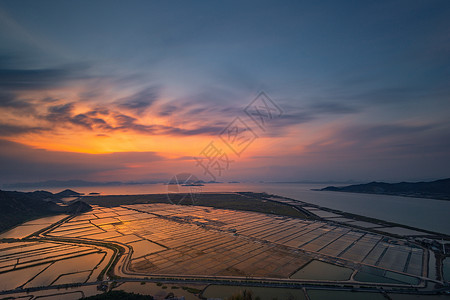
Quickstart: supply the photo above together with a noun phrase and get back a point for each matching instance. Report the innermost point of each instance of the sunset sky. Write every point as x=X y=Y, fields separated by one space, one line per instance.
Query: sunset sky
x=136 y=90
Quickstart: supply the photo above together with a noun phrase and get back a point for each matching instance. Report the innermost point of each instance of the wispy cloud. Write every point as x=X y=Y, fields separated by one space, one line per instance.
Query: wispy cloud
x=388 y=140
x=13 y=78
x=140 y=101
x=11 y=130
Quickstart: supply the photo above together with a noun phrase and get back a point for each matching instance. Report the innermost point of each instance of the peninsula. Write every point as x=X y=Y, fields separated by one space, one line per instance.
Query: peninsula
x=438 y=189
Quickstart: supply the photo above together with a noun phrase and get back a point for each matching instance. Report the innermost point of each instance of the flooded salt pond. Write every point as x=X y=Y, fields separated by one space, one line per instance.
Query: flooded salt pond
x=101 y=265
x=14 y=279
x=22 y=231
x=343 y=295
x=42 y=263
x=432 y=271
x=318 y=270
x=375 y=275
x=417 y=297
x=73 y=278
x=61 y=294
x=14 y=244
x=31 y=227
x=446 y=269
x=104 y=236
x=400 y=231
x=145 y=247
x=46 y=220
x=67 y=266
x=127 y=238
x=226 y=291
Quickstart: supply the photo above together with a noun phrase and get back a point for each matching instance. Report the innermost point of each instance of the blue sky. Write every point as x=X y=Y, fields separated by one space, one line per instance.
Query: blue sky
x=364 y=86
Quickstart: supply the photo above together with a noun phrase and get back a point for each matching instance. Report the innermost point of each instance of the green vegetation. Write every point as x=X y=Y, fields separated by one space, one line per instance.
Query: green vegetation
x=191 y=290
x=249 y=202
x=243 y=295
x=119 y=295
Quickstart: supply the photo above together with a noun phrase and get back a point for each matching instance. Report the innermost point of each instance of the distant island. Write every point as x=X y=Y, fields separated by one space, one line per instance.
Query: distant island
x=439 y=189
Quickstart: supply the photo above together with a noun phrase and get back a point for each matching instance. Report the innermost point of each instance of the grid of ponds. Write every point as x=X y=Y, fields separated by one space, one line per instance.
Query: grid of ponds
x=316 y=237
x=34 y=264
x=193 y=240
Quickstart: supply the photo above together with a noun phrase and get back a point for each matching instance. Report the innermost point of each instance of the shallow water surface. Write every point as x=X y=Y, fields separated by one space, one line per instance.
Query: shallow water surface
x=426 y=214
x=446 y=269
x=31 y=227
x=318 y=270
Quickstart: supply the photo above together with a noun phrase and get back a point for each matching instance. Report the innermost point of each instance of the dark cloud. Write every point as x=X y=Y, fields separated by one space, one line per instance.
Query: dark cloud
x=98 y=111
x=60 y=113
x=295 y=116
x=128 y=123
x=125 y=122
x=386 y=139
x=278 y=126
x=64 y=109
x=333 y=108
x=391 y=95
x=196 y=111
x=15 y=104
x=89 y=122
x=7 y=130
x=360 y=97
x=140 y=101
x=30 y=79
x=201 y=130
x=13 y=78
x=383 y=131
x=379 y=152
x=167 y=110
x=49 y=100
x=94 y=120
x=10 y=100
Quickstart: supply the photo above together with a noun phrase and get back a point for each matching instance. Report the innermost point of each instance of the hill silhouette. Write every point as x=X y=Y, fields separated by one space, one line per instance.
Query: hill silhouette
x=18 y=207
x=439 y=189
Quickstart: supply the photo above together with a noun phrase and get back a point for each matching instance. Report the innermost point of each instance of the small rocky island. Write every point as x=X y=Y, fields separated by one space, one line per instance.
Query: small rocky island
x=439 y=189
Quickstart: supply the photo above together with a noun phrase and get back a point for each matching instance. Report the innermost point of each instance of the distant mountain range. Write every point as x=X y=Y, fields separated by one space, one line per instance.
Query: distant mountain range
x=68 y=183
x=18 y=207
x=439 y=189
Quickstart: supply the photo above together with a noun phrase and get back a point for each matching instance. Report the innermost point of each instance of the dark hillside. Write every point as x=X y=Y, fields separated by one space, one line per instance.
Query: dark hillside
x=18 y=207
x=439 y=189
